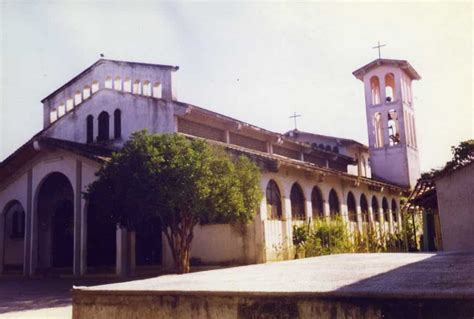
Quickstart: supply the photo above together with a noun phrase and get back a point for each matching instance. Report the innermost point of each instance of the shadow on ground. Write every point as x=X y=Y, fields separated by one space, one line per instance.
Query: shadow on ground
x=441 y=286
x=21 y=294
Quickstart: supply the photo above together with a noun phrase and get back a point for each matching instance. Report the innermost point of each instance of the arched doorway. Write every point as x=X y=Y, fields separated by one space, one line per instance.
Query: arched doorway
x=55 y=227
x=13 y=228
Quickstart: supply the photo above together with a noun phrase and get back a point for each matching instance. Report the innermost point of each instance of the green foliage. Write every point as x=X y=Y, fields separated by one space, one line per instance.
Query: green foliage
x=412 y=228
x=463 y=154
x=324 y=237
x=368 y=241
x=181 y=181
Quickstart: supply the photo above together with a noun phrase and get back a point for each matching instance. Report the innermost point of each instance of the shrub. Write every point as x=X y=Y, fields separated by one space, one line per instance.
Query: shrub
x=324 y=237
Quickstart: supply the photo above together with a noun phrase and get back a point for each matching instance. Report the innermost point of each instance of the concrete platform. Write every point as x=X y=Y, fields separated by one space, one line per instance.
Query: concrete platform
x=339 y=286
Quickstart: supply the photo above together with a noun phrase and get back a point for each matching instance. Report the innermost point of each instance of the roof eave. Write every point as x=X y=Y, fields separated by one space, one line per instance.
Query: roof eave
x=403 y=64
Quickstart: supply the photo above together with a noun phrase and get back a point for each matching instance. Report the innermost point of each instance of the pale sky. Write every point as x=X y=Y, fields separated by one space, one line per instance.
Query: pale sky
x=257 y=62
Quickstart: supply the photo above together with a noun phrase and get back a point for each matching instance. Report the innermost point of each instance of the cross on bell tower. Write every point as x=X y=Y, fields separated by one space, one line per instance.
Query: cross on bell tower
x=393 y=147
x=378 y=46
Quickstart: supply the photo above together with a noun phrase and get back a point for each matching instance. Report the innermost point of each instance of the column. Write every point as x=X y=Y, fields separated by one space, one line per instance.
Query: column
x=121 y=251
x=326 y=211
x=309 y=210
x=359 y=218
x=131 y=252
x=287 y=227
x=33 y=255
x=76 y=268
x=390 y=221
x=227 y=136
x=344 y=212
x=381 y=221
x=400 y=221
x=371 y=216
x=112 y=126
x=425 y=242
x=28 y=225
x=83 y=252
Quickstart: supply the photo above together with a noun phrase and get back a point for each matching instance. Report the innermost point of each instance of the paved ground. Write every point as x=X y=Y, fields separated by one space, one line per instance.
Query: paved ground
x=442 y=275
x=399 y=275
x=49 y=298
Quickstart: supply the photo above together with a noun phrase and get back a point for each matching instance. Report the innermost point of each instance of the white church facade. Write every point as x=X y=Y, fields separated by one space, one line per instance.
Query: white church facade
x=46 y=224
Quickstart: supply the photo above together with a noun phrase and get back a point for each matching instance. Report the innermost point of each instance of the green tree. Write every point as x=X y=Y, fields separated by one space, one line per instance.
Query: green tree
x=463 y=154
x=182 y=181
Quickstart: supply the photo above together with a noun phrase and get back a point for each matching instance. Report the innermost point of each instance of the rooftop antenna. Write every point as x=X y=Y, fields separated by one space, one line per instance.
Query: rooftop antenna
x=378 y=46
x=294 y=116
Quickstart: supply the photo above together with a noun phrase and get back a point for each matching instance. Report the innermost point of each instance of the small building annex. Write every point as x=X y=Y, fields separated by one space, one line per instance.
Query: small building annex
x=46 y=224
x=445 y=199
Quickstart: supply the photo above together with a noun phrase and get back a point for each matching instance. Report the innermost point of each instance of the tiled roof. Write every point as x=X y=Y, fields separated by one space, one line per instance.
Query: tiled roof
x=28 y=150
x=273 y=161
x=404 y=65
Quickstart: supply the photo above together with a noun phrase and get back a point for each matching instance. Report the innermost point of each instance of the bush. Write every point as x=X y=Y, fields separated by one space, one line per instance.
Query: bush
x=324 y=237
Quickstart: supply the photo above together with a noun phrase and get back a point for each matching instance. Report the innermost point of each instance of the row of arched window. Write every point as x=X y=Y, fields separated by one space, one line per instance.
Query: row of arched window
x=104 y=126
x=138 y=87
x=274 y=204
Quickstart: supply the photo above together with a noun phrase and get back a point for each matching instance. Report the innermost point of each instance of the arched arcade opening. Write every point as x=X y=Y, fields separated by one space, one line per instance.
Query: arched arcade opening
x=55 y=223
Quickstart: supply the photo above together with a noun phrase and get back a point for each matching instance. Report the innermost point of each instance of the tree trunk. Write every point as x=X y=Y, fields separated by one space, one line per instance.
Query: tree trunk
x=184 y=262
x=179 y=240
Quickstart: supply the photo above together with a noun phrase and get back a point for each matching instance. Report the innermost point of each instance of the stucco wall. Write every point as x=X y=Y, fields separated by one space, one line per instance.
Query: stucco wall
x=111 y=69
x=456 y=209
x=219 y=244
x=138 y=113
x=278 y=234
x=14 y=189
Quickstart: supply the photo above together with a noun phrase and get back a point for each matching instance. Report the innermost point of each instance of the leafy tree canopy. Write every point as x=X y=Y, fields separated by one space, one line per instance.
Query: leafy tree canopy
x=181 y=181
x=463 y=154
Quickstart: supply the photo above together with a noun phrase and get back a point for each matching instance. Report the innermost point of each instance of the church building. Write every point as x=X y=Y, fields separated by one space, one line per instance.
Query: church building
x=46 y=224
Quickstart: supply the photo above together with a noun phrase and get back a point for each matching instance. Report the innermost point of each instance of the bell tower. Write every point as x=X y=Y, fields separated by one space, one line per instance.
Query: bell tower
x=390 y=113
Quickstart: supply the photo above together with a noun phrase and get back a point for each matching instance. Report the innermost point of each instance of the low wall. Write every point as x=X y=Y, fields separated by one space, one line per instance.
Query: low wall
x=156 y=305
x=218 y=244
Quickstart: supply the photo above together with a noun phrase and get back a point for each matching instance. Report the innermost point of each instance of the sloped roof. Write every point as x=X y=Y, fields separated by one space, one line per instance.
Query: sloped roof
x=28 y=150
x=283 y=137
x=273 y=161
x=403 y=64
